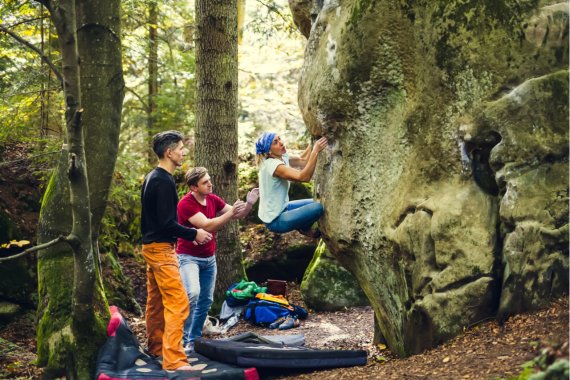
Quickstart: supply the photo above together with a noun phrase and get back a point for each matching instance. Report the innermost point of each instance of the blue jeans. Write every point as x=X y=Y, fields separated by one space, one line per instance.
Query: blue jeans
x=199 y=278
x=298 y=215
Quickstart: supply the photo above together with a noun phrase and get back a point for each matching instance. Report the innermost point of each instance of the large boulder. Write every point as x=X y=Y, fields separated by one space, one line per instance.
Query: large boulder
x=445 y=184
x=8 y=311
x=329 y=286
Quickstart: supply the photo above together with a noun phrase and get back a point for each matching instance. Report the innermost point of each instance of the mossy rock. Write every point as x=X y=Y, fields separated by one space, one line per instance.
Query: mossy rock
x=8 y=311
x=445 y=181
x=329 y=286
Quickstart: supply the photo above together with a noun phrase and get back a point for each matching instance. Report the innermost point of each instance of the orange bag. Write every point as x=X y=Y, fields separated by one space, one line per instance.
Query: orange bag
x=273 y=298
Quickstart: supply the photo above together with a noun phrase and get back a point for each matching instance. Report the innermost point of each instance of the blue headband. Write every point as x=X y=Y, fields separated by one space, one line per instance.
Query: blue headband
x=264 y=142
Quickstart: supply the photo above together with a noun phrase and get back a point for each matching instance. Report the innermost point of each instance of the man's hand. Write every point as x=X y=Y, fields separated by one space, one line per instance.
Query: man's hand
x=252 y=196
x=238 y=208
x=202 y=237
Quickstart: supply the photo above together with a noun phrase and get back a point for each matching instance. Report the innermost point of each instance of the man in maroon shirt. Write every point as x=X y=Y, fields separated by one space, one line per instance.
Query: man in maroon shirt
x=200 y=208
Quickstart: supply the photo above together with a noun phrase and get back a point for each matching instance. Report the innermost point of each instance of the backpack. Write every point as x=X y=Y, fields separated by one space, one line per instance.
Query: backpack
x=263 y=312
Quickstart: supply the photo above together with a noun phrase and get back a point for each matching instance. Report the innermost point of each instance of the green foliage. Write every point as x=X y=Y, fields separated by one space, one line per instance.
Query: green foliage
x=247 y=177
x=271 y=17
x=30 y=96
x=176 y=67
x=543 y=367
x=120 y=227
x=118 y=288
x=524 y=375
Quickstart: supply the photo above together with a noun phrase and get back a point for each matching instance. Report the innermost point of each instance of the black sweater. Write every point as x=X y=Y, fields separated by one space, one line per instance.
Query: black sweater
x=159 y=222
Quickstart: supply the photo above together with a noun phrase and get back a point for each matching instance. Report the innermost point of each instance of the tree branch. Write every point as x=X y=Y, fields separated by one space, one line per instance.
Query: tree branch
x=275 y=9
x=32 y=47
x=7 y=163
x=36 y=248
x=137 y=96
x=28 y=21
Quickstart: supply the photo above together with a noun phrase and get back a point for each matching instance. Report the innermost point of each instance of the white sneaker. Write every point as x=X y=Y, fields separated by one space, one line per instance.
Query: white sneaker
x=189 y=348
x=211 y=327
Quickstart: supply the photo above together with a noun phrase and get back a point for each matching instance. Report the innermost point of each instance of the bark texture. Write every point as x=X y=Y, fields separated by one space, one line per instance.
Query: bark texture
x=216 y=122
x=448 y=124
x=72 y=319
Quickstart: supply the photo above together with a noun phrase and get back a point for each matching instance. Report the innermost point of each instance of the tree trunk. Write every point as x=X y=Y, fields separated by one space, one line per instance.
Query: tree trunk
x=152 y=73
x=216 y=121
x=241 y=20
x=72 y=322
x=45 y=84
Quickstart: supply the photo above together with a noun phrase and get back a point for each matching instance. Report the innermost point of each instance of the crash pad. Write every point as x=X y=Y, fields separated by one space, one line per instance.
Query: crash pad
x=264 y=354
x=122 y=357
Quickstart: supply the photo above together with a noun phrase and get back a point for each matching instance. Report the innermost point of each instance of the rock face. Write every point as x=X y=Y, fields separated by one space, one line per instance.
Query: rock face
x=445 y=184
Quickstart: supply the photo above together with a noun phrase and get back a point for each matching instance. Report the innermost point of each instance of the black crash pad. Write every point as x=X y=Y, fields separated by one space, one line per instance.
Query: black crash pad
x=272 y=355
x=250 y=337
x=122 y=357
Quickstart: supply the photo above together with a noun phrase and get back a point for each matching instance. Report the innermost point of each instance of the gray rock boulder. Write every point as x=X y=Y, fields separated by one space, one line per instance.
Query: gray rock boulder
x=445 y=184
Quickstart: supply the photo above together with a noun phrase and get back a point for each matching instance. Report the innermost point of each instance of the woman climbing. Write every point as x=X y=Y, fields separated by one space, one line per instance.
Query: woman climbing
x=276 y=169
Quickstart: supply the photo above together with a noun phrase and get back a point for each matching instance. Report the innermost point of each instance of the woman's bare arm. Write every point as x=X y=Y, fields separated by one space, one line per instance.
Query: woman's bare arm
x=305 y=174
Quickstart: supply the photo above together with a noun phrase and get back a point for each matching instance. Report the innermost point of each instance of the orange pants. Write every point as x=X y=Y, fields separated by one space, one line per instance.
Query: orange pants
x=166 y=305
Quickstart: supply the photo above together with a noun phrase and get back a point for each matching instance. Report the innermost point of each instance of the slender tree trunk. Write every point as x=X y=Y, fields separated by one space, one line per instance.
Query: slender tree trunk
x=72 y=320
x=103 y=86
x=152 y=72
x=241 y=20
x=45 y=84
x=216 y=121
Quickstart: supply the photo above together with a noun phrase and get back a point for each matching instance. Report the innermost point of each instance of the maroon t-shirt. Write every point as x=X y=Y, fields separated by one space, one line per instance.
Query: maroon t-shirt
x=187 y=208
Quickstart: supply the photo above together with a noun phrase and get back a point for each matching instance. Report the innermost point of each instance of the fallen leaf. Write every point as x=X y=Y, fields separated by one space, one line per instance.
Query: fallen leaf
x=446 y=359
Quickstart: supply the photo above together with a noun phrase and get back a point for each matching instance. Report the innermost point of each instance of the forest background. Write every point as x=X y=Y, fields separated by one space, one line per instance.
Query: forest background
x=270 y=57
x=159 y=72
x=32 y=120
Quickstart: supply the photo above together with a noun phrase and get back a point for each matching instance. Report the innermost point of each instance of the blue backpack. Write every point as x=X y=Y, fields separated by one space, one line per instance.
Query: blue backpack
x=262 y=312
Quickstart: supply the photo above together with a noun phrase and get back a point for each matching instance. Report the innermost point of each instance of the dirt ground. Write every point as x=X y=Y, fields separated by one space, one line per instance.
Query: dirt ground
x=486 y=351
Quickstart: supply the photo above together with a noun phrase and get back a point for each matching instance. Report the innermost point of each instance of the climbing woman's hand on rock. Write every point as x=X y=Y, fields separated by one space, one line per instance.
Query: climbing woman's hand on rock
x=320 y=144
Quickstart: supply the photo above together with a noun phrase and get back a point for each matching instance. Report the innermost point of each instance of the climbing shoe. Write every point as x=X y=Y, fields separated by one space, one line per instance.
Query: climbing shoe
x=277 y=322
x=290 y=322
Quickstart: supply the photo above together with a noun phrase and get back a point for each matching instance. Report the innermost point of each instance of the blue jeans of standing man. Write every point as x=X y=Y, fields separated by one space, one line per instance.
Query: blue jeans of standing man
x=298 y=215
x=199 y=278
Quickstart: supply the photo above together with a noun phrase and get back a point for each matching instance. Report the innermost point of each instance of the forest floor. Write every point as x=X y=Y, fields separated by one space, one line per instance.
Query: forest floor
x=485 y=351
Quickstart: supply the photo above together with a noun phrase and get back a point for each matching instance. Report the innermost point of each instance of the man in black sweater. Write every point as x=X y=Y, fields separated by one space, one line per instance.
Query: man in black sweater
x=167 y=303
